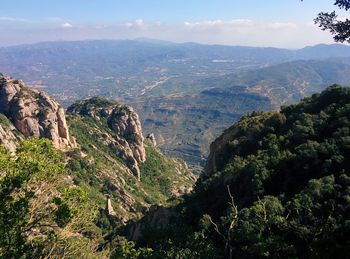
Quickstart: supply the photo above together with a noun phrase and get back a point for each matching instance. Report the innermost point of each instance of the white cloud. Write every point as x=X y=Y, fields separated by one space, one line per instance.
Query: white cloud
x=281 y=25
x=253 y=33
x=13 y=19
x=66 y=25
x=137 y=24
x=239 y=23
x=55 y=19
x=246 y=32
x=217 y=23
x=100 y=27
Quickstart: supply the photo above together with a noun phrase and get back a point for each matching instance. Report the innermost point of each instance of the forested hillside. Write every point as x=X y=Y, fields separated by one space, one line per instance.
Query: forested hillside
x=276 y=185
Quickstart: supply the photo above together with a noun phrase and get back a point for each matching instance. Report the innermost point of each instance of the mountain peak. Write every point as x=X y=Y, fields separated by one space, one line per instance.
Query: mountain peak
x=123 y=127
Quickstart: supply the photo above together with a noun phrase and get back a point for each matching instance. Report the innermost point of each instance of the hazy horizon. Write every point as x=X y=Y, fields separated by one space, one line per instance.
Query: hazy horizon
x=223 y=22
x=154 y=40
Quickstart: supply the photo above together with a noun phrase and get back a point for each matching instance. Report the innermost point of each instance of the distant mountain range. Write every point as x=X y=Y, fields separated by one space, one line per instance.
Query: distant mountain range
x=288 y=82
x=127 y=69
x=186 y=93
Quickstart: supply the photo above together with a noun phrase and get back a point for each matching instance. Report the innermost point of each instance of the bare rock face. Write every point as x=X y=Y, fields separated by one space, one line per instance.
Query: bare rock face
x=157 y=217
x=218 y=150
x=8 y=89
x=123 y=149
x=34 y=113
x=152 y=139
x=9 y=137
x=109 y=209
x=126 y=133
x=126 y=124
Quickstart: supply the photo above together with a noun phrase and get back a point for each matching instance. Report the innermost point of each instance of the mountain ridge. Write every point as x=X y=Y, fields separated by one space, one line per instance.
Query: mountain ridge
x=107 y=151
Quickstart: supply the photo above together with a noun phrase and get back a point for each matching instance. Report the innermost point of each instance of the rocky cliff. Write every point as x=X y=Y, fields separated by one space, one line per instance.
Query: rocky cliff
x=126 y=124
x=244 y=130
x=124 y=131
x=9 y=136
x=218 y=150
x=33 y=113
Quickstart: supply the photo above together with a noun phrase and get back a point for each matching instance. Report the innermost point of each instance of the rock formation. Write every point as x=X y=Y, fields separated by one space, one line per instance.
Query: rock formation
x=218 y=150
x=152 y=139
x=8 y=89
x=124 y=125
x=9 y=137
x=222 y=145
x=157 y=217
x=34 y=113
x=109 y=209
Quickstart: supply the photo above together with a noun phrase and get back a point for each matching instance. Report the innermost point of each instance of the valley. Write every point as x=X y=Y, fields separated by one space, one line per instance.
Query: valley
x=186 y=94
x=174 y=129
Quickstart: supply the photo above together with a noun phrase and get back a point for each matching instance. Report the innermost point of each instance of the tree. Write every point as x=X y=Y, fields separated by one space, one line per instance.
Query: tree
x=331 y=22
x=21 y=182
x=42 y=214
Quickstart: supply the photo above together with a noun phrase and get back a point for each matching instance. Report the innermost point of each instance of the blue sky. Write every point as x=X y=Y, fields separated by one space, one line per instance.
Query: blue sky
x=232 y=22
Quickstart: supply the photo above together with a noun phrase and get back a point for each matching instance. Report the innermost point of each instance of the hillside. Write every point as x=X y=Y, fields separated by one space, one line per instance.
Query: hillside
x=33 y=113
x=113 y=150
x=276 y=184
x=67 y=181
x=288 y=82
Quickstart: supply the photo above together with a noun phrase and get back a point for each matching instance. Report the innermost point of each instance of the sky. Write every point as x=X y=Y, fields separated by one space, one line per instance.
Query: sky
x=268 y=23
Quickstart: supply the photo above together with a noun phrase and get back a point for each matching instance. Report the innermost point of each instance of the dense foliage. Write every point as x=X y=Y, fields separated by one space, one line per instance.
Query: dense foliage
x=338 y=27
x=281 y=188
x=42 y=214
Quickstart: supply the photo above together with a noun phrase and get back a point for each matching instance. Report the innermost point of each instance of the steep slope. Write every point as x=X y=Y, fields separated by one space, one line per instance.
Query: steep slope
x=127 y=135
x=9 y=136
x=58 y=204
x=110 y=156
x=112 y=151
x=276 y=185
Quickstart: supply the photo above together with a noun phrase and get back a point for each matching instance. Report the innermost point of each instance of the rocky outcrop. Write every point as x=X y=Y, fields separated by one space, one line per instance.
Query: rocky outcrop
x=9 y=136
x=152 y=139
x=156 y=218
x=126 y=124
x=34 y=113
x=218 y=151
x=8 y=89
x=243 y=130
x=109 y=209
x=125 y=132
